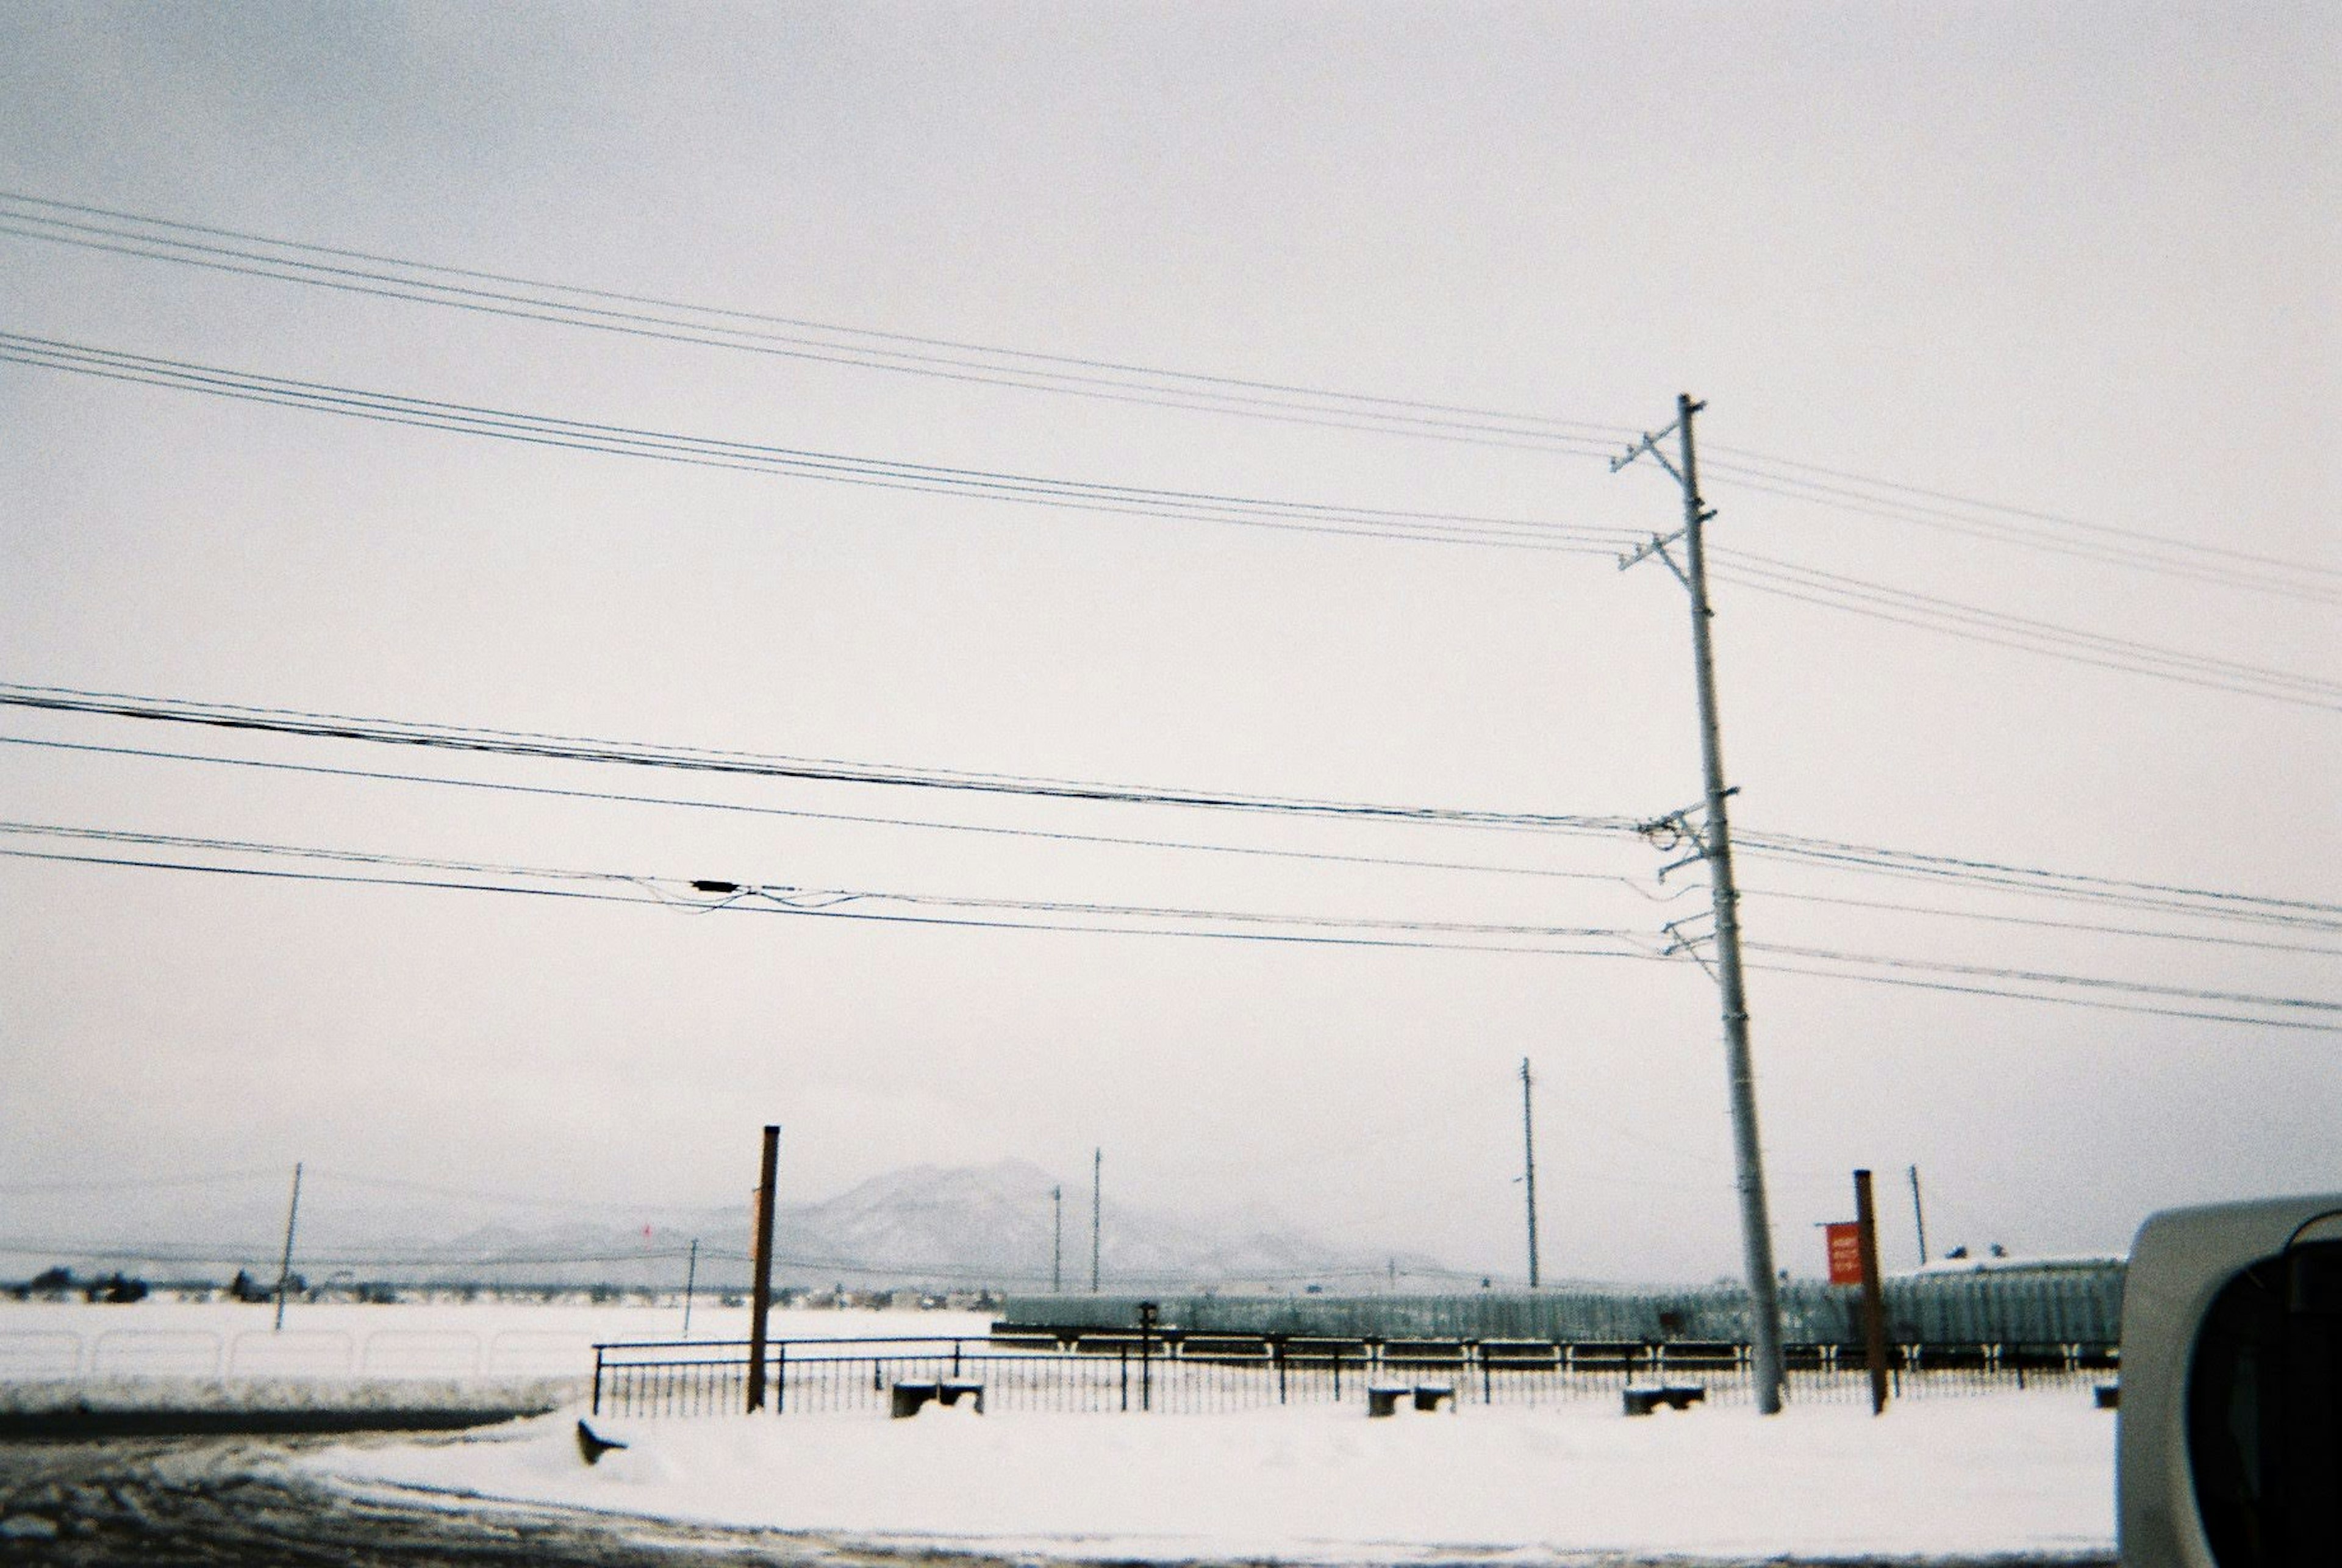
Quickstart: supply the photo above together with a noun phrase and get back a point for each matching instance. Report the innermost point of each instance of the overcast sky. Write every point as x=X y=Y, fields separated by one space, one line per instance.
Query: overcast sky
x=2071 y=266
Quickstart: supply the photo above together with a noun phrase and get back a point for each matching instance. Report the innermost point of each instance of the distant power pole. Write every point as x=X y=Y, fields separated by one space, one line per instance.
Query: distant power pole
x=1713 y=836
x=1529 y=1164
x=1057 y=1239
x=1098 y=1193
x=284 y=1269
x=1918 y=1214
x=760 y=1301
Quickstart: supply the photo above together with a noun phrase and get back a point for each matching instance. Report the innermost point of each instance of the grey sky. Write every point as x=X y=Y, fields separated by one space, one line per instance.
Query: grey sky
x=2077 y=261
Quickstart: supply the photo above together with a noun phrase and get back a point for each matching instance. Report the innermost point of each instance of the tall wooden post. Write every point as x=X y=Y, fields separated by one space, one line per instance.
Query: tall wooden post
x=760 y=1304
x=1874 y=1299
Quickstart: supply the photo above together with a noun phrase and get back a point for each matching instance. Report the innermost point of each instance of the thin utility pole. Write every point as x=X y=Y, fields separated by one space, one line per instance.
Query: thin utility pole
x=760 y=1304
x=1713 y=837
x=1874 y=1299
x=1918 y=1216
x=690 y=1281
x=1057 y=1240
x=1098 y=1193
x=284 y=1269
x=1529 y=1164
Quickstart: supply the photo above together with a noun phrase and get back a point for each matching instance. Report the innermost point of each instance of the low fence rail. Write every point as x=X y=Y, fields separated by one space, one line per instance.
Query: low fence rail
x=293 y=1352
x=1190 y=1374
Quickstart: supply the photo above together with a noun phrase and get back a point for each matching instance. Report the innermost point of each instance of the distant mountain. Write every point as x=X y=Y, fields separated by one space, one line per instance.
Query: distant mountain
x=921 y=1225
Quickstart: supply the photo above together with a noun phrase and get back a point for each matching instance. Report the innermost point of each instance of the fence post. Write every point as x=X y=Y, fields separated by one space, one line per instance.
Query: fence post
x=1146 y=1355
x=1277 y=1345
x=780 y=1377
x=598 y=1380
x=1487 y=1381
x=1337 y=1375
x=1122 y=1353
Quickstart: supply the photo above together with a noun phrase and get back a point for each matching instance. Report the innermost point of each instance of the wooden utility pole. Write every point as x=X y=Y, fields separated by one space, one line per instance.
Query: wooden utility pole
x=1057 y=1239
x=1874 y=1299
x=1529 y=1164
x=690 y=1285
x=1712 y=834
x=284 y=1269
x=1097 y=1195
x=760 y=1303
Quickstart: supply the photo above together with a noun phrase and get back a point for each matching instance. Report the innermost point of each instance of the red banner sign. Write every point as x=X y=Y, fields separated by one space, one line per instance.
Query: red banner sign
x=1844 y=1253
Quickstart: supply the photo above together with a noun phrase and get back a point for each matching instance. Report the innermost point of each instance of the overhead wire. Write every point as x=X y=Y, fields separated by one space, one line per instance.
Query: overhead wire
x=757 y=457
x=566 y=748
x=502 y=787
x=1765 y=574
x=1095 y=918
x=1976 y=623
x=29 y=216
x=713 y=326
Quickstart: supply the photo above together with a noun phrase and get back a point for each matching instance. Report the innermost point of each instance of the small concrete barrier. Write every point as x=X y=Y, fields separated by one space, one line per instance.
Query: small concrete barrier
x=909 y=1398
x=1384 y=1399
x=1644 y=1398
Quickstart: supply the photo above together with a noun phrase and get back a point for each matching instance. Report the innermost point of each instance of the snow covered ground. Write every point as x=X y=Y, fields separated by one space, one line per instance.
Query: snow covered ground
x=2029 y=1474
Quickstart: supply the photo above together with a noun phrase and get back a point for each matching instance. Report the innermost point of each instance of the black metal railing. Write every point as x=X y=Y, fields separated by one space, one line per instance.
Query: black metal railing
x=1174 y=1372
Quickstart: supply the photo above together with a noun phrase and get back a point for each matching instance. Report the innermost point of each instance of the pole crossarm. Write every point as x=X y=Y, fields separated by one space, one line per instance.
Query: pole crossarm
x=1649 y=445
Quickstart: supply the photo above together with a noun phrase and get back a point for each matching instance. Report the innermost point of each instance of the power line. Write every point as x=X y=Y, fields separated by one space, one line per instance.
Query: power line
x=1756 y=462
x=1049 y=836
x=2081 y=886
x=704 y=896
x=1937 y=911
x=2293 y=580
x=28 y=217
x=2031 y=881
x=1039 y=835
x=1975 y=624
x=1780 y=578
x=756 y=458
x=2045 y=977
x=568 y=748
x=797 y=338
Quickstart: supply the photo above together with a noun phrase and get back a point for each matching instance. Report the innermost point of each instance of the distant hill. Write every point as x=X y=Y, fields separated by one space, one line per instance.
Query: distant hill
x=960 y=1227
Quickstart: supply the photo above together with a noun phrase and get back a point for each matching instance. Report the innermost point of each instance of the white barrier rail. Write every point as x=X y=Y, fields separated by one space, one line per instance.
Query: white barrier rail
x=51 y=1354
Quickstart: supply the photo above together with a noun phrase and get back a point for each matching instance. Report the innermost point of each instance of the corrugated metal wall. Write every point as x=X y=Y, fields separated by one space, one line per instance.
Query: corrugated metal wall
x=2013 y=1307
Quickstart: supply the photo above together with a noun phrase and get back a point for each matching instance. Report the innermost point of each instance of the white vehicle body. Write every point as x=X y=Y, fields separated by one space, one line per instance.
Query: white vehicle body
x=2229 y=1452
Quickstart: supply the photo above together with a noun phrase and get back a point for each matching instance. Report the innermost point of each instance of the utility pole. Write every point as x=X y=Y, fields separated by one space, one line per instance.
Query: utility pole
x=1098 y=1193
x=1528 y=1165
x=1874 y=1299
x=284 y=1269
x=1714 y=838
x=690 y=1283
x=1057 y=1240
x=1918 y=1217
x=760 y=1303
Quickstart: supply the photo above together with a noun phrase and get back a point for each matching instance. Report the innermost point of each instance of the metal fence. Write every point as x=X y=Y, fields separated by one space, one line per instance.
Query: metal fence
x=1177 y=1372
x=2077 y=1301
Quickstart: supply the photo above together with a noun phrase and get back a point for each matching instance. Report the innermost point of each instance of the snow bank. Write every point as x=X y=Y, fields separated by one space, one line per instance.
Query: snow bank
x=2023 y=1474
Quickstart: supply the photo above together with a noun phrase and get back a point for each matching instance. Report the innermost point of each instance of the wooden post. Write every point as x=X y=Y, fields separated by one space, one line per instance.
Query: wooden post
x=760 y=1303
x=1874 y=1299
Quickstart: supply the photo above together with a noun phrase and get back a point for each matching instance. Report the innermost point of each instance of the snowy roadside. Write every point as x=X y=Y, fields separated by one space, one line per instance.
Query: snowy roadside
x=2027 y=1476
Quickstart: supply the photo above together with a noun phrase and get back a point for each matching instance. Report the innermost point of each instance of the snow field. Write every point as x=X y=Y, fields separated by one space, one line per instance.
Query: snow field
x=2003 y=1473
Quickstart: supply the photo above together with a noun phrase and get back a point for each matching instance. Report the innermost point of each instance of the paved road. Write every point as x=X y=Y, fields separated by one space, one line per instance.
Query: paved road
x=206 y=1503
x=213 y=1502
